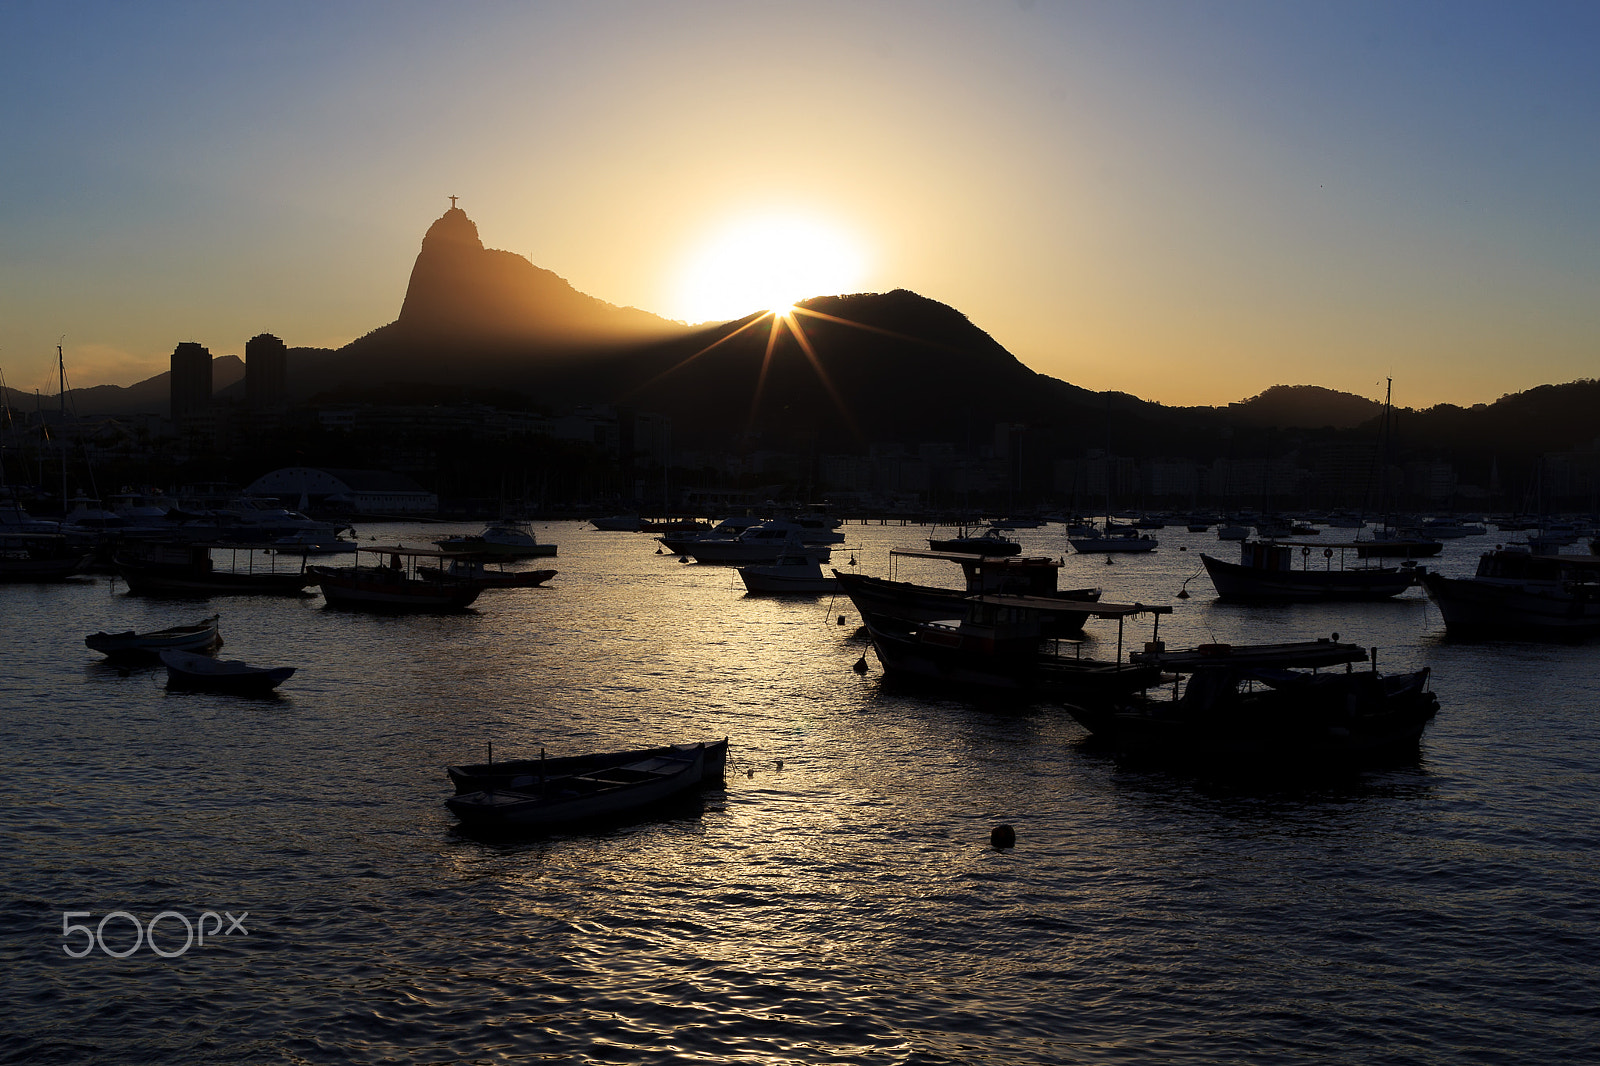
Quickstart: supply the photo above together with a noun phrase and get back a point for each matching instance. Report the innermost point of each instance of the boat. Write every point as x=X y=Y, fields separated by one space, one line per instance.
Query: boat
x=1398 y=544
x=168 y=569
x=37 y=556
x=884 y=600
x=989 y=542
x=679 y=540
x=796 y=572
x=459 y=568
x=197 y=637
x=310 y=543
x=616 y=793
x=505 y=539
x=1114 y=539
x=1516 y=593
x=520 y=773
x=185 y=669
x=617 y=523
x=396 y=585
x=1266 y=708
x=1451 y=529
x=999 y=648
x=760 y=543
x=1233 y=531
x=1266 y=571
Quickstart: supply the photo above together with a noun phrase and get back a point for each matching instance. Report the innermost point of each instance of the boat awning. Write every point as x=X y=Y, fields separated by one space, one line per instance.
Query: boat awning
x=1302 y=653
x=419 y=553
x=973 y=557
x=1054 y=603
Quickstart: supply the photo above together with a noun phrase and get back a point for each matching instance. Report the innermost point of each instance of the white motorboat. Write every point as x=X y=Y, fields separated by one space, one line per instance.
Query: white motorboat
x=793 y=572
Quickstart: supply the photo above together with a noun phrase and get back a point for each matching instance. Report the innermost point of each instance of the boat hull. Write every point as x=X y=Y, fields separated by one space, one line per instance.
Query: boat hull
x=156 y=581
x=520 y=773
x=620 y=793
x=378 y=592
x=880 y=601
x=1546 y=611
x=193 y=638
x=189 y=671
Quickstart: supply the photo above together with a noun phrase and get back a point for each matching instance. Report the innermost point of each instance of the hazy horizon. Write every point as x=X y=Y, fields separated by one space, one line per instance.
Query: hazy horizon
x=1190 y=203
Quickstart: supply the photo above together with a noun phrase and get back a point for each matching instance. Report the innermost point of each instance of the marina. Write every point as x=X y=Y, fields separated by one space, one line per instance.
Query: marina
x=846 y=860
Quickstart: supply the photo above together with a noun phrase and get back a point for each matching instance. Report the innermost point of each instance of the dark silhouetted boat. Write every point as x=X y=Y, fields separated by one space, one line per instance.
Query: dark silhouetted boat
x=624 y=792
x=520 y=773
x=1266 y=709
x=193 y=638
x=989 y=542
x=1266 y=571
x=188 y=670
x=395 y=586
x=1516 y=593
x=882 y=600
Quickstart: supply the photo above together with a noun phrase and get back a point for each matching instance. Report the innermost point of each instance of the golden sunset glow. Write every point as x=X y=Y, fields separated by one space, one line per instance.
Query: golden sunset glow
x=767 y=262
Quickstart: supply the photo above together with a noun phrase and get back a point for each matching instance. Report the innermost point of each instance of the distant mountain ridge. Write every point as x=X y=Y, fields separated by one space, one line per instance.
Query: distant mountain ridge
x=850 y=370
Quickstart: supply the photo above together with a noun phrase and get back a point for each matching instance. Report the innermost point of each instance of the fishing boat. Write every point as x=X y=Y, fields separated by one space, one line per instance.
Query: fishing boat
x=1266 y=571
x=989 y=542
x=194 y=638
x=1114 y=539
x=1521 y=594
x=169 y=569
x=38 y=556
x=1265 y=708
x=520 y=773
x=880 y=599
x=617 y=793
x=505 y=539
x=792 y=573
x=187 y=670
x=999 y=648
x=395 y=585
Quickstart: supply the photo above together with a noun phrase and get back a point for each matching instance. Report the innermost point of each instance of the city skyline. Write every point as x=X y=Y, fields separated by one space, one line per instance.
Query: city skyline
x=1190 y=203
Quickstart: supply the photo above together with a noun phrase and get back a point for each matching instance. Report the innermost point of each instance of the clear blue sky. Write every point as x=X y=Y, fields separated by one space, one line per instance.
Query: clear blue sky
x=1186 y=201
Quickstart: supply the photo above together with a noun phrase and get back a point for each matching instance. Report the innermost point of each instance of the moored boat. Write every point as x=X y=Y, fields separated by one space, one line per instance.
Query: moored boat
x=506 y=539
x=628 y=791
x=793 y=573
x=1266 y=571
x=989 y=542
x=188 y=670
x=1519 y=594
x=164 y=569
x=1266 y=709
x=196 y=637
x=880 y=599
x=35 y=556
x=520 y=773
x=395 y=586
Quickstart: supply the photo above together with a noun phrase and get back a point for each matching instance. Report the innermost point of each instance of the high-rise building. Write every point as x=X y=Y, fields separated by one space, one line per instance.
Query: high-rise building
x=191 y=379
x=266 y=372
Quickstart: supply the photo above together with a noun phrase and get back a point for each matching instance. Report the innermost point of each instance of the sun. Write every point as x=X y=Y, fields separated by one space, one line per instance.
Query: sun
x=767 y=263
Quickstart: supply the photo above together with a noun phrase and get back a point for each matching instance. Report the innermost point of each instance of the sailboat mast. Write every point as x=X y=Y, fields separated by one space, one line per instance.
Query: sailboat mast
x=61 y=428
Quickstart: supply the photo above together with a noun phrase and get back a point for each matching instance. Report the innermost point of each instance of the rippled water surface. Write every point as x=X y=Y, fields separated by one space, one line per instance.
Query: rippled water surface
x=844 y=906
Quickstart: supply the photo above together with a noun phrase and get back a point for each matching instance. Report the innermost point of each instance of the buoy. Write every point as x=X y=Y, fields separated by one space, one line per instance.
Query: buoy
x=1336 y=638
x=683 y=559
x=1183 y=594
x=1003 y=836
x=1108 y=560
x=750 y=772
x=852 y=560
x=861 y=664
x=841 y=619
x=780 y=764
x=1183 y=547
x=660 y=551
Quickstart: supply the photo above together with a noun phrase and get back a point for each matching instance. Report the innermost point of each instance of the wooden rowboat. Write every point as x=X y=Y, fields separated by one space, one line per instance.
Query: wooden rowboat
x=187 y=670
x=198 y=637
x=520 y=773
x=618 y=793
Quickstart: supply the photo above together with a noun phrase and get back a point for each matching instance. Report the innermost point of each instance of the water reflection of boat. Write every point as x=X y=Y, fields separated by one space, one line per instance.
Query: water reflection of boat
x=1266 y=708
x=197 y=637
x=627 y=791
x=188 y=670
x=1266 y=571
x=1520 y=594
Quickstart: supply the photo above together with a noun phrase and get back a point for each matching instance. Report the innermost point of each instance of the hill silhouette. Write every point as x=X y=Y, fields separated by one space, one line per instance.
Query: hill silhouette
x=1305 y=406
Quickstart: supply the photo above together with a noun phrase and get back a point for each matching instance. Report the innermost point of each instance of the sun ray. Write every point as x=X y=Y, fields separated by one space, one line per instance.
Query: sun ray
x=822 y=376
x=797 y=309
x=766 y=361
x=685 y=362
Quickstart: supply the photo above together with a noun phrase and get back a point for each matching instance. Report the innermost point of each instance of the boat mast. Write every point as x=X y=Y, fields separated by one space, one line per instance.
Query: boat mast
x=61 y=365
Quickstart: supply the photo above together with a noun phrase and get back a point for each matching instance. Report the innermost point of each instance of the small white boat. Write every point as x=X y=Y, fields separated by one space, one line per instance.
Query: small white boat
x=506 y=539
x=193 y=638
x=311 y=543
x=794 y=572
x=188 y=670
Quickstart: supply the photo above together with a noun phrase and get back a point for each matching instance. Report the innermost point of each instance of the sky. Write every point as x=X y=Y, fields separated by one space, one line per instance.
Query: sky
x=1186 y=201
